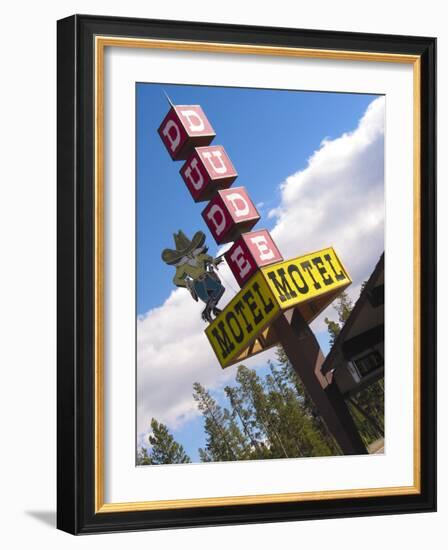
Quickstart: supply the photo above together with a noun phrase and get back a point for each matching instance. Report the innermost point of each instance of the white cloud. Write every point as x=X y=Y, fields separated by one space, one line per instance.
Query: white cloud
x=337 y=200
x=173 y=353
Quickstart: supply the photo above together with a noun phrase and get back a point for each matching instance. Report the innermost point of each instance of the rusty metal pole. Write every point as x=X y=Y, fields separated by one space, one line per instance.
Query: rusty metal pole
x=306 y=357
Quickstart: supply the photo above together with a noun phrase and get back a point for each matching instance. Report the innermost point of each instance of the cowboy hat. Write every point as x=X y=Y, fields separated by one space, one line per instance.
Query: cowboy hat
x=183 y=246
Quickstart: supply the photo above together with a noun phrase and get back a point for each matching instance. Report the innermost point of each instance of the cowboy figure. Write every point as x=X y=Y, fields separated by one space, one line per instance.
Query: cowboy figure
x=195 y=270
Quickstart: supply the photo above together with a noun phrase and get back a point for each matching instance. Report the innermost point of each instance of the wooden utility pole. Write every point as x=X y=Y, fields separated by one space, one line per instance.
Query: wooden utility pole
x=306 y=357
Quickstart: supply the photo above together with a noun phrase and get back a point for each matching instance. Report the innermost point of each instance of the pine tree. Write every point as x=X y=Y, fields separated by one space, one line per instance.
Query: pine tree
x=367 y=408
x=313 y=439
x=263 y=418
x=143 y=458
x=164 y=449
x=255 y=448
x=343 y=306
x=307 y=404
x=241 y=414
x=224 y=440
x=268 y=418
x=239 y=442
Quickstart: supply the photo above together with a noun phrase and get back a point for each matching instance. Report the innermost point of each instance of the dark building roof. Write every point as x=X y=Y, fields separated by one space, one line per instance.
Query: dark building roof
x=365 y=325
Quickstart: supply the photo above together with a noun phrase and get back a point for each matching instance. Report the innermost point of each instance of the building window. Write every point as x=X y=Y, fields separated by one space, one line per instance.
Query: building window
x=368 y=363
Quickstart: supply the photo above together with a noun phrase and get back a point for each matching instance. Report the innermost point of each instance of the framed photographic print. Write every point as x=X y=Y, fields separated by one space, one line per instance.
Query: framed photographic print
x=246 y=274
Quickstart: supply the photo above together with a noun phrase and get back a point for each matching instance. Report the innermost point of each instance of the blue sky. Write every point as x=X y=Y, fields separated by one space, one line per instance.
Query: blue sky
x=270 y=136
x=267 y=134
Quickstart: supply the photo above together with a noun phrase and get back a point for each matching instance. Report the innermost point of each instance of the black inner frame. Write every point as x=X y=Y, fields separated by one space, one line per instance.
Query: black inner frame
x=75 y=294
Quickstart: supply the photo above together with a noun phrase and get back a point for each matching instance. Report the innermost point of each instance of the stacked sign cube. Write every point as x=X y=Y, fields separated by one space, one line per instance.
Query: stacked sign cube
x=208 y=174
x=250 y=252
x=230 y=213
x=184 y=128
x=206 y=170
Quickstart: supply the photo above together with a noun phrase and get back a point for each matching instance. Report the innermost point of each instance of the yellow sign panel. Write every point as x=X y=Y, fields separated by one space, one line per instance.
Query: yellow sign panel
x=306 y=277
x=309 y=282
x=242 y=320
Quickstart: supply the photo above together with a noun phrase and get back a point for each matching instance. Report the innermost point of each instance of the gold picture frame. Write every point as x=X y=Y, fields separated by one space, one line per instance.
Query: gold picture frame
x=82 y=42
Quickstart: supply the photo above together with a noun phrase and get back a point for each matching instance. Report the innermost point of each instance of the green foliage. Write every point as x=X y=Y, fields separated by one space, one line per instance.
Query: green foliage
x=367 y=406
x=254 y=444
x=224 y=440
x=334 y=329
x=320 y=432
x=261 y=417
x=343 y=306
x=164 y=449
x=268 y=417
x=143 y=458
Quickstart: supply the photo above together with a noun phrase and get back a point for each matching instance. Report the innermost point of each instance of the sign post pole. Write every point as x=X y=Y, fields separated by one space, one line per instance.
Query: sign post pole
x=306 y=357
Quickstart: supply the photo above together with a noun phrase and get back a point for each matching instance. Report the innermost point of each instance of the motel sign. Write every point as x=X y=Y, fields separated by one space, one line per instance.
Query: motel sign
x=308 y=283
x=278 y=298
